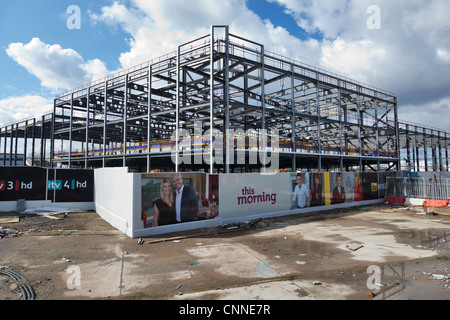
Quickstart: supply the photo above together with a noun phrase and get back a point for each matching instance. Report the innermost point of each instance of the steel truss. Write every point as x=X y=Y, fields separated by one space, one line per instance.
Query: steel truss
x=210 y=89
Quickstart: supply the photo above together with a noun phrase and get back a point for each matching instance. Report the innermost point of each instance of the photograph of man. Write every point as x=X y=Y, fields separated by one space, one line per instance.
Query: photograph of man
x=186 y=202
x=338 y=195
x=301 y=194
x=164 y=207
x=316 y=191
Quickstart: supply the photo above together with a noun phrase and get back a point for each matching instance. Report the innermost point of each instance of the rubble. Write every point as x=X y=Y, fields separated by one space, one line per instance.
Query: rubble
x=443 y=211
x=437 y=276
x=47 y=211
x=258 y=223
x=8 y=233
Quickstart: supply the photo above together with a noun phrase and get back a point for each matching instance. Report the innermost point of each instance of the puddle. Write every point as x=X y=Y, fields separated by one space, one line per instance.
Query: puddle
x=403 y=281
x=428 y=239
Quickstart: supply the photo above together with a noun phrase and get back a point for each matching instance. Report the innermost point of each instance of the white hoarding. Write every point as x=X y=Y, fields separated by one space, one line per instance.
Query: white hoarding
x=250 y=194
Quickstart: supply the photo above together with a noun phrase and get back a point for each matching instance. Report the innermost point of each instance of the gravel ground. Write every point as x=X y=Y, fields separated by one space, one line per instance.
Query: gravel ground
x=325 y=255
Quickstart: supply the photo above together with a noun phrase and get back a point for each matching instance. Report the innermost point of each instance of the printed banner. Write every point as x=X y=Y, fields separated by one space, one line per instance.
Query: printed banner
x=56 y=185
x=69 y=185
x=177 y=198
x=22 y=183
x=249 y=194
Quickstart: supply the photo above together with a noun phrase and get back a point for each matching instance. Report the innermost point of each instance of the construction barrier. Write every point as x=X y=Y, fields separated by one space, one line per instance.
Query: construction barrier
x=43 y=187
x=396 y=200
x=435 y=203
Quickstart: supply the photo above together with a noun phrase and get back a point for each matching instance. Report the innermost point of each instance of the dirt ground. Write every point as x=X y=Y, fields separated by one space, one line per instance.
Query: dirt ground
x=365 y=253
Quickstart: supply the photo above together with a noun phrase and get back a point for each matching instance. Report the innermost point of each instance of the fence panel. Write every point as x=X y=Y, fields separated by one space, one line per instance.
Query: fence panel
x=421 y=188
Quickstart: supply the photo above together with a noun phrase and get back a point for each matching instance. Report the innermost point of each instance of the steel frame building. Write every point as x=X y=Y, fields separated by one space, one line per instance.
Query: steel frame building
x=212 y=87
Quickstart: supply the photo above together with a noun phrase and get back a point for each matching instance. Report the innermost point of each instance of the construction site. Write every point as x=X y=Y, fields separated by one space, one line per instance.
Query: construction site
x=304 y=185
x=213 y=96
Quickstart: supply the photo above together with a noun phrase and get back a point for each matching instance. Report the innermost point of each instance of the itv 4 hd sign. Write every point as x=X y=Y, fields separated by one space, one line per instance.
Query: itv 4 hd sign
x=67 y=184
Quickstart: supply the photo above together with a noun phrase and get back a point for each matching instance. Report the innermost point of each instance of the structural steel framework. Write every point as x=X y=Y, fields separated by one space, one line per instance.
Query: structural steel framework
x=225 y=91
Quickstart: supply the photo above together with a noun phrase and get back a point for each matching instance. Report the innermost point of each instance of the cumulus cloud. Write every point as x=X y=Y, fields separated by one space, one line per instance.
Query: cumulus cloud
x=13 y=109
x=350 y=57
x=56 y=67
x=404 y=52
x=158 y=27
x=428 y=114
x=408 y=55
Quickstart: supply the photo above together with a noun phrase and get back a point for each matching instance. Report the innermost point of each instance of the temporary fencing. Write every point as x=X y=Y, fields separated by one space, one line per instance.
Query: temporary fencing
x=420 y=188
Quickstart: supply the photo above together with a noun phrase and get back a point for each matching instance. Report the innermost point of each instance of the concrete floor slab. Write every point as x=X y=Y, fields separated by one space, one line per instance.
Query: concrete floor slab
x=278 y=259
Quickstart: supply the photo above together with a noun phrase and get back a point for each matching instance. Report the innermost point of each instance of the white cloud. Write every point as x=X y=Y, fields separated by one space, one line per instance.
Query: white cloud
x=428 y=20
x=306 y=15
x=57 y=68
x=431 y=114
x=130 y=19
x=158 y=27
x=409 y=55
x=393 y=58
x=351 y=58
x=443 y=54
x=17 y=108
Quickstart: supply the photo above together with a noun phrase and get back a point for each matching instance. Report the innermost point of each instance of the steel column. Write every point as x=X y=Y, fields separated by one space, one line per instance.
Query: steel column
x=105 y=120
x=149 y=117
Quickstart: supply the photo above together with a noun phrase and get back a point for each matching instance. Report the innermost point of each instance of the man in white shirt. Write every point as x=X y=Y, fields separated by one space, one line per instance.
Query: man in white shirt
x=301 y=194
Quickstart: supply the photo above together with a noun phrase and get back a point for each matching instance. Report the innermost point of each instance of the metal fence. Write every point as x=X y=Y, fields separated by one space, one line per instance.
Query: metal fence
x=421 y=188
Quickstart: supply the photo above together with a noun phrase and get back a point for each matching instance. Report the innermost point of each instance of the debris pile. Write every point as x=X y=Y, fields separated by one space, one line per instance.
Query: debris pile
x=4 y=233
x=49 y=211
x=258 y=223
x=435 y=276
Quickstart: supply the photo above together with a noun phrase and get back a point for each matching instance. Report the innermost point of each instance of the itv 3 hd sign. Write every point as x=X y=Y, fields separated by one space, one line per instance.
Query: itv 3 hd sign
x=22 y=183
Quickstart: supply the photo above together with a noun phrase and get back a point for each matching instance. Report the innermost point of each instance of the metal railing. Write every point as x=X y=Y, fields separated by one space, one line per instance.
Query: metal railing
x=421 y=188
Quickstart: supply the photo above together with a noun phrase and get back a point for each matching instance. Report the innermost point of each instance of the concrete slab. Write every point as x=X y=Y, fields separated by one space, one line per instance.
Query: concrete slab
x=278 y=259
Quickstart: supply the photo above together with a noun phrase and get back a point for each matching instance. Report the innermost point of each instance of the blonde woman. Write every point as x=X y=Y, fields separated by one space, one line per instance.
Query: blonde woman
x=358 y=188
x=164 y=207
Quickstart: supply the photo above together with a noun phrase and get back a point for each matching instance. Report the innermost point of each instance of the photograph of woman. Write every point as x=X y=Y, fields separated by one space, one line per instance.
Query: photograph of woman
x=358 y=195
x=164 y=207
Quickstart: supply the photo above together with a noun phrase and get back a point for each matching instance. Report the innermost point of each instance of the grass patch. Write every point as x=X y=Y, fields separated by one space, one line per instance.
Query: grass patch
x=443 y=258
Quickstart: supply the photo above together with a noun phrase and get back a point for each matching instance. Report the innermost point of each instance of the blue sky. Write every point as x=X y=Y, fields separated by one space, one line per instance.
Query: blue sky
x=26 y=19
x=409 y=53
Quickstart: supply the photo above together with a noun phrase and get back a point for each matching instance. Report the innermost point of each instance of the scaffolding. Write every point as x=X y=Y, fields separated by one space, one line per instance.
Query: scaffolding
x=224 y=91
